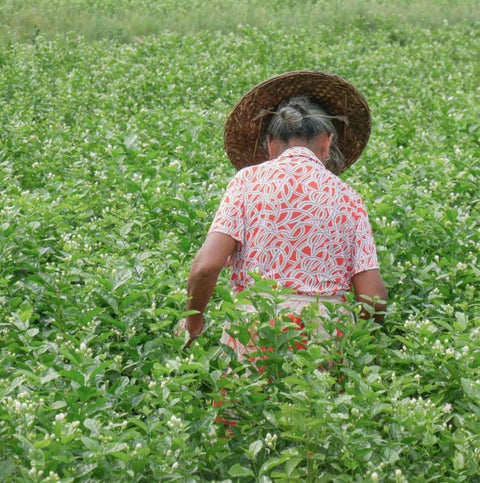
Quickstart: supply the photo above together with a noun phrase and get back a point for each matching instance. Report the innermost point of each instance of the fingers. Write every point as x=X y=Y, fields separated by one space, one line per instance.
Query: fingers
x=189 y=343
x=180 y=328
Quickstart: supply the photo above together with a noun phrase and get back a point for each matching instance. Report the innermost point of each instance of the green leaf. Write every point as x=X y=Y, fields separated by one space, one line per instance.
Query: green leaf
x=42 y=443
x=91 y=444
x=130 y=298
x=85 y=468
x=58 y=404
x=458 y=461
x=238 y=471
x=33 y=332
x=121 y=277
x=109 y=300
x=272 y=463
x=73 y=376
x=254 y=448
x=343 y=399
x=131 y=141
x=90 y=315
x=99 y=369
x=7 y=467
x=50 y=375
x=112 y=448
x=461 y=319
x=93 y=425
x=285 y=337
x=291 y=464
x=125 y=230
x=85 y=393
x=137 y=422
x=26 y=313
x=471 y=388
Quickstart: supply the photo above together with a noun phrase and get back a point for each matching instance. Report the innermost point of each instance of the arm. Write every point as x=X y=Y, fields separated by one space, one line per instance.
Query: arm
x=203 y=276
x=369 y=288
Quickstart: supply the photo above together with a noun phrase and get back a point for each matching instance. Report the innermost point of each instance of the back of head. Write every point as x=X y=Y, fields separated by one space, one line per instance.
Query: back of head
x=299 y=117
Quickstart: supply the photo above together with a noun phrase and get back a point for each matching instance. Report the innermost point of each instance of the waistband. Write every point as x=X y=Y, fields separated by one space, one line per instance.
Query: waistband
x=305 y=299
x=339 y=298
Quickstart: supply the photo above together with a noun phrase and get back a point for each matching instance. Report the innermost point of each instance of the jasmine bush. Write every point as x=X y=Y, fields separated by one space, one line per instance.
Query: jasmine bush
x=112 y=166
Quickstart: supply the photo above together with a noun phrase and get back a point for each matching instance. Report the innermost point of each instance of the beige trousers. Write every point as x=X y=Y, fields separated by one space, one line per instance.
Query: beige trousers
x=295 y=304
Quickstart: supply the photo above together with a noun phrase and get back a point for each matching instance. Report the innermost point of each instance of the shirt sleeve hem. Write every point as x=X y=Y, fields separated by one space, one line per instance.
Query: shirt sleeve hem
x=226 y=232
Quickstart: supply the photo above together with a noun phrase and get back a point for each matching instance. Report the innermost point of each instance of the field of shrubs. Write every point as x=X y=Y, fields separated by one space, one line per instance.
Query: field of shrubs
x=111 y=169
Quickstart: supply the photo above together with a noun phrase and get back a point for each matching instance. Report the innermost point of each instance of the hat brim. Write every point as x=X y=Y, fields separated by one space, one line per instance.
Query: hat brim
x=245 y=125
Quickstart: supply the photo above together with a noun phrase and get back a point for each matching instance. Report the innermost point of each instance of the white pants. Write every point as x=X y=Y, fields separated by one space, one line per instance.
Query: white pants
x=295 y=304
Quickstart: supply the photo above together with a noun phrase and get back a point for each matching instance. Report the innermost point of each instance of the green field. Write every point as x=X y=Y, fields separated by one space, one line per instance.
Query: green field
x=124 y=20
x=112 y=166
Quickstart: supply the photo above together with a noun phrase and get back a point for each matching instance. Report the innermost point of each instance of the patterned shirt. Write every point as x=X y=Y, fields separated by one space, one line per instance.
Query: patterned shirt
x=297 y=223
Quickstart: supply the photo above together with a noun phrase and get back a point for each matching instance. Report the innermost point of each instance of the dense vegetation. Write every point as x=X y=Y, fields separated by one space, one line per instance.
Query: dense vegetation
x=123 y=20
x=112 y=166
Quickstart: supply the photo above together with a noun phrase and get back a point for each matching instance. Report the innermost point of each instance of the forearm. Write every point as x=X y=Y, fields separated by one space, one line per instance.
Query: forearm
x=378 y=308
x=203 y=277
x=200 y=287
x=370 y=290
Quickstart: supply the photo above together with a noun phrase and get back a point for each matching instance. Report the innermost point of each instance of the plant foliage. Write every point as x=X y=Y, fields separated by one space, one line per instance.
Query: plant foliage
x=112 y=166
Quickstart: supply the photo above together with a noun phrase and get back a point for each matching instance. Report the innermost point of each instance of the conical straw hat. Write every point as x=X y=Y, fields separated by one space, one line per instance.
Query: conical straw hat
x=245 y=126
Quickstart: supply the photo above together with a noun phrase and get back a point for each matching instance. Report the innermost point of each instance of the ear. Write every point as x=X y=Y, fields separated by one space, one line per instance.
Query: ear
x=266 y=143
x=325 y=142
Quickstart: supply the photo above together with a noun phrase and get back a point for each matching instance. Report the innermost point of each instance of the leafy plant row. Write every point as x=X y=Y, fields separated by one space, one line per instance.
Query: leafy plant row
x=112 y=166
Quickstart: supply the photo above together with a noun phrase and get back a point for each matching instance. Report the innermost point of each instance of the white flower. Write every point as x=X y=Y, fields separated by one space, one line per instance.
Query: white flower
x=438 y=346
x=175 y=465
x=374 y=476
x=60 y=417
x=448 y=309
x=175 y=423
x=270 y=440
x=447 y=408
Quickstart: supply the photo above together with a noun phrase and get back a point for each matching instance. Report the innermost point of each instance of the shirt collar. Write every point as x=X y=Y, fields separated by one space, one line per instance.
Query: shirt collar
x=301 y=152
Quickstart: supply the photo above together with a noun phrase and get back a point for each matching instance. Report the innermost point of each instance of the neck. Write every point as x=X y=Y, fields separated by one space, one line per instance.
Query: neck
x=319 y=145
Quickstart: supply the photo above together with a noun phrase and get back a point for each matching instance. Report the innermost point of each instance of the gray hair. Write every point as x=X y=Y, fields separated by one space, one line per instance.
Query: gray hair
x=304 y=118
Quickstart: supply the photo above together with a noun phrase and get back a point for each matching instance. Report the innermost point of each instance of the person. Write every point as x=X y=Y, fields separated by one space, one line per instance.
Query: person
x=286 y=213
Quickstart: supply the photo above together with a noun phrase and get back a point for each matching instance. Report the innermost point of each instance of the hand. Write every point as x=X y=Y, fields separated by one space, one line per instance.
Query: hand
x=189 y=341
x=182 y=328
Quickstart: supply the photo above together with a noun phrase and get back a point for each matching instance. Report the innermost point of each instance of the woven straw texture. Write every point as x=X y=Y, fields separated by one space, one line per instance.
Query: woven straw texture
x=245 y=125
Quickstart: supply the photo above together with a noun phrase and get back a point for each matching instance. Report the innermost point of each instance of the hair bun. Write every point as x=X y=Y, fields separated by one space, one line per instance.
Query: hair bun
x=291 y=116
x=300 y=105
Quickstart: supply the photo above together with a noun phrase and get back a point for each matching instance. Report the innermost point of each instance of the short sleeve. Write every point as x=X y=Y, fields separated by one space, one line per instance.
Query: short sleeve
x=230 y=216
x=364 y=250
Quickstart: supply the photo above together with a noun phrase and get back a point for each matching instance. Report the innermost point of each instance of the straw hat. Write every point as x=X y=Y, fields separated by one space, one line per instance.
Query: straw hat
x=246 y=124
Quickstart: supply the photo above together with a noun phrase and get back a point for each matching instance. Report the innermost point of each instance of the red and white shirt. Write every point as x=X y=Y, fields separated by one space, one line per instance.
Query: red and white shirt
x=297 y=223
